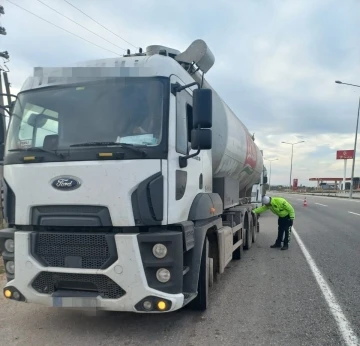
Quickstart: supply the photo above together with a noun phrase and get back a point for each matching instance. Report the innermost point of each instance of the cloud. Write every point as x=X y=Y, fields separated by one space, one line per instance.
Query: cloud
x=276 y=62
x=314 y=158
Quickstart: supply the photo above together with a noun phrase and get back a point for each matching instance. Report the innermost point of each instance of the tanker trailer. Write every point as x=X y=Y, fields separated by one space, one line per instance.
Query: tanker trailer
x=127 y=184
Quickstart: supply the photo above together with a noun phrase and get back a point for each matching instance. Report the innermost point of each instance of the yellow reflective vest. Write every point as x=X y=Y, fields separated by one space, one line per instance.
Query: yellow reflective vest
x=279 y=206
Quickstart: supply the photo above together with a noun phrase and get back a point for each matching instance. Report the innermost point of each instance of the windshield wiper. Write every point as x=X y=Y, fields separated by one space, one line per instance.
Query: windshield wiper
x=108 y=144
x=41 y=150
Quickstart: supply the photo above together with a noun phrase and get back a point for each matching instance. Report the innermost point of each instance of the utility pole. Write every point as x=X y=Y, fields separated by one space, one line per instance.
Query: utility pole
x=355 y=143
x=292 y=154
x=270 y=160
x=4 y=77
x=3 y=55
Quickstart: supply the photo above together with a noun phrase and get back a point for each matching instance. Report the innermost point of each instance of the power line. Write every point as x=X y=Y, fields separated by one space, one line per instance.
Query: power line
x=99 y=23
x=63 y=28
x=53 y=9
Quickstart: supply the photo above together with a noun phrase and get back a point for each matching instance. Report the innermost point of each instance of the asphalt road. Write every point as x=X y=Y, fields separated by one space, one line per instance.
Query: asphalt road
x=269 y=297
x=330 y=229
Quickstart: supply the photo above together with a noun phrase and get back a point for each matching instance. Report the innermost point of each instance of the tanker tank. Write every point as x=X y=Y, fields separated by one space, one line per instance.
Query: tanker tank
x=234 y=153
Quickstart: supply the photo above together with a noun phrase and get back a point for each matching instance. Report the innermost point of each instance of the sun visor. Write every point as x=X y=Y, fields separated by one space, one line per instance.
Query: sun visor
x=200 y=54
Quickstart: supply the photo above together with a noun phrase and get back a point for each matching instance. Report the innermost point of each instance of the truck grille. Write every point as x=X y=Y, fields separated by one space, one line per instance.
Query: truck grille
x=48 y=283
x=69 y=250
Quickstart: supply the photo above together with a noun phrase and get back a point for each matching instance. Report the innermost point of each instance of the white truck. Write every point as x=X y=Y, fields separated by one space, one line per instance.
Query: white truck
x=129 y=184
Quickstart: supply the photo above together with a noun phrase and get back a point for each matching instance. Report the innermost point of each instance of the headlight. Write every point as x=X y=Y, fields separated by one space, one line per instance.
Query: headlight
x=9 y=245
x=10 y=267
x=163 y=275
x=159 y=250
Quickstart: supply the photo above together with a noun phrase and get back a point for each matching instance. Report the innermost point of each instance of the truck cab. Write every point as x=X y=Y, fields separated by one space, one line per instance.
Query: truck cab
x=108 y=186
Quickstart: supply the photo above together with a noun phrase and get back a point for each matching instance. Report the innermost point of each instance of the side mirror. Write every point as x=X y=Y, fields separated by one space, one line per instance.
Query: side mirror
x=201 y=139
x=202 y=108
x=265 y=180
x=37 y=120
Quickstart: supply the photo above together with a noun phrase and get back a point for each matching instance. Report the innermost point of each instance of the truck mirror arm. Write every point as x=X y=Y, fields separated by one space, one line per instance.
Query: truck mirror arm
x=176 y=87
x=12 y=95
x=5 y=109
x=183 y=159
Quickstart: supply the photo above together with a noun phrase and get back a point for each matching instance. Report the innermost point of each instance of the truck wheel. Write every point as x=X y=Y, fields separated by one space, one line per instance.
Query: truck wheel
x=211 y=272
x=248 y=236
x=200 y=303
x=254 y=230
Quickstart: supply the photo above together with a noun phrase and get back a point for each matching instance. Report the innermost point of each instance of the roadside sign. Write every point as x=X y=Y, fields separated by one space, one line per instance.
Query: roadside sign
x=295 y=184
x=344 y=154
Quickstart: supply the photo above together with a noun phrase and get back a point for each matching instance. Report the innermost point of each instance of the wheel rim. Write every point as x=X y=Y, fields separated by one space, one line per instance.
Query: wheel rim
x=211 y=272
x=248 y=235
x=207 y=272
x=253 y=231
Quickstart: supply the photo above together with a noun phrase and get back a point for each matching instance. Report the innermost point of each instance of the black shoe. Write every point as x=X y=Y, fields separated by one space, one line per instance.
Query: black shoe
x=285 y=247
x=275 y=246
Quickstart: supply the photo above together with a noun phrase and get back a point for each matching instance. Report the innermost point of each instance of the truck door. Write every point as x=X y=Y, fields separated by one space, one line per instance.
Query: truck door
x=183 y=183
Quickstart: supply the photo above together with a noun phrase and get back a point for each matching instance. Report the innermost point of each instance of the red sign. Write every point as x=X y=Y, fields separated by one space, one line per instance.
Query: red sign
x=251 y=156
x=344 y=154
x=295 y=184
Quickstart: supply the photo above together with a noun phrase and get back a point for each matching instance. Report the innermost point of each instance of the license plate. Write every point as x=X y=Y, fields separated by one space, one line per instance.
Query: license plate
x=75 y=302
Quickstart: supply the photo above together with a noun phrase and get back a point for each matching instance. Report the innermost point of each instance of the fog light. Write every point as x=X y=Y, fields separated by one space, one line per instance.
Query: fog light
x=163 y=275
x=147 y=305
x=161 y=305
x=7 y=293
x=16 y=295
x=10 y=267
x=9 y=245
x=159 y=250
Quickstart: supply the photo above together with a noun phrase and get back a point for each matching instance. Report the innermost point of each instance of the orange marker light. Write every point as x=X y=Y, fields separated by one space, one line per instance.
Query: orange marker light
x=29 y=158
x=212 y=210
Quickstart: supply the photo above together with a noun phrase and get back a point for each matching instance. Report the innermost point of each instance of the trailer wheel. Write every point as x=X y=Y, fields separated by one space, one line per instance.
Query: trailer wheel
x=253 y=228
x=200 y=303
x=248 y=235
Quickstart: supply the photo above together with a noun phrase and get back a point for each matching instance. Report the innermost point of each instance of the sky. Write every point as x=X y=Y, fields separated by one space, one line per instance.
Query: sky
x=276 y=62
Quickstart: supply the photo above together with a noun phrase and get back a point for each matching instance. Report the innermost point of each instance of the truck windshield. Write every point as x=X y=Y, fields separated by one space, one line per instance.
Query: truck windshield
x=120 y=110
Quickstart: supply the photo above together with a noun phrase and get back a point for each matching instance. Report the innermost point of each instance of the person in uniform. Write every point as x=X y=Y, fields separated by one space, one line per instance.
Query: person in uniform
x=286 y=213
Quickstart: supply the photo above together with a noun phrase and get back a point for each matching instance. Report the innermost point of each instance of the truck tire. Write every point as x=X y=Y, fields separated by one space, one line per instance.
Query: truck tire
x=253 y=228
x=248 y=235
x=200 y=303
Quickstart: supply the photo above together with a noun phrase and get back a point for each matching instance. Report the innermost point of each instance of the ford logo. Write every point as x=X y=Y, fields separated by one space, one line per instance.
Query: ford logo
x=66 y=183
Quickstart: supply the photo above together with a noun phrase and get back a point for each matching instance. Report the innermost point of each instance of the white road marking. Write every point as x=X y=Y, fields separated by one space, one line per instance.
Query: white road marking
x=353 y=213
x=348 y=335
x=321 y=204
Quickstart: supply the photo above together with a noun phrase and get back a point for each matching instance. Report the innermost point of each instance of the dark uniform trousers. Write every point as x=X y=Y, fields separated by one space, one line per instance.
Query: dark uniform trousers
x=284 y=227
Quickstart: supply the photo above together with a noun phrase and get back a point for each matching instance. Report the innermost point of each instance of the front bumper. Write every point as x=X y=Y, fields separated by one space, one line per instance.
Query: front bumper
x=127 y=273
